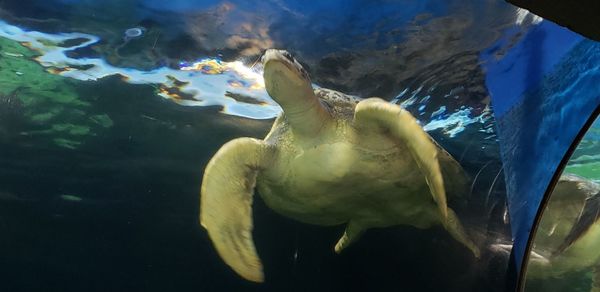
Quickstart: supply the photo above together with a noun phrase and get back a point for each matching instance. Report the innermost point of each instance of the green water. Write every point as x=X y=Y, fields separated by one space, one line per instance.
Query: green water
x=585 y=161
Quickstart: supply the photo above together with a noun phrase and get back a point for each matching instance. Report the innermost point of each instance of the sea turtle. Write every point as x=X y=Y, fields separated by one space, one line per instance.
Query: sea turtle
x=329 y=159
x=568 y=236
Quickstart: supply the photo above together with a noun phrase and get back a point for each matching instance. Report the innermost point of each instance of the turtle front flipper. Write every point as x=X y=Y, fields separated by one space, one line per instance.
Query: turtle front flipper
x=378 y=113
x=226 y=204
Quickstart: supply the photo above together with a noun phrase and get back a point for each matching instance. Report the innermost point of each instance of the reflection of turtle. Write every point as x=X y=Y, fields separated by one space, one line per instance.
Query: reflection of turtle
x=329 y=159
x=568 y=237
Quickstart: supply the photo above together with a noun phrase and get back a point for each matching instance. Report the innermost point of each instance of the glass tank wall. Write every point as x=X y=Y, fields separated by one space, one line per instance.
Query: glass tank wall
x=110 y=112
x=565 y=253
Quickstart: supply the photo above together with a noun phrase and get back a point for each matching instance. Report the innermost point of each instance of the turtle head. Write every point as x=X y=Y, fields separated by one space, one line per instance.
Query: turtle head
x=286 y=81
x=289 y=85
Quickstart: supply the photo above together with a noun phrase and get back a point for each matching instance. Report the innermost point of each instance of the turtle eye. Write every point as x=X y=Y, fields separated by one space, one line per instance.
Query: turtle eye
x=288 y=56
x=304 y=73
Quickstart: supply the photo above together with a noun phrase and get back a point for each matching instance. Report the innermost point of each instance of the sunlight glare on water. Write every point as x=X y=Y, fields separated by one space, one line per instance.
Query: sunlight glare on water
x=196 y=85
x=207 y=82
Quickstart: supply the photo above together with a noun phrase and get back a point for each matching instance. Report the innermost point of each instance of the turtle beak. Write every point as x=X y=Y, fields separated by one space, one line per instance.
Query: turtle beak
x=285 y=81
x=286 y=59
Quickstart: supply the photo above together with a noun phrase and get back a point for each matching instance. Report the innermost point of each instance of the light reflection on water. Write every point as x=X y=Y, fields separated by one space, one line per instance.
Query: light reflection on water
x=206 y=85
x=207 y=82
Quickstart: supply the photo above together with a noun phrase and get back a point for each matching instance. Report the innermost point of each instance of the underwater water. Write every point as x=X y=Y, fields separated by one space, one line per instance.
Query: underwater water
x=584 y=161
x=111 y=110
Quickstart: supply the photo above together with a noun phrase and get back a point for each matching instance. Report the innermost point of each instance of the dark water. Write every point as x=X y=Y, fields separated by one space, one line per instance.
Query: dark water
x=100 y=178
x=135 y=227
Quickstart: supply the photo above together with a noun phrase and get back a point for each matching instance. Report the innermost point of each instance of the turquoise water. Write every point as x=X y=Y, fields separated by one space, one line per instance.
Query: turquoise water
x=584 y=161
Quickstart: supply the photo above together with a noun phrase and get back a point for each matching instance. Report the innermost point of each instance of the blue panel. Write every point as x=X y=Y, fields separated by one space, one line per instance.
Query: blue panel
x=542 y=92
x=526 y=63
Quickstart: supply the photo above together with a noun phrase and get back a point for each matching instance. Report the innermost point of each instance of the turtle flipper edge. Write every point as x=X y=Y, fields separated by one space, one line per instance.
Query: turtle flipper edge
x=457 y=231
x=226 y=204
x=403 y=126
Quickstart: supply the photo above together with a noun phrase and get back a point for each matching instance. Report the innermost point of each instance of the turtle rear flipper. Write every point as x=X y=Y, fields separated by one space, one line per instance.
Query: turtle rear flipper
x=226 y=204
x=353 y=231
